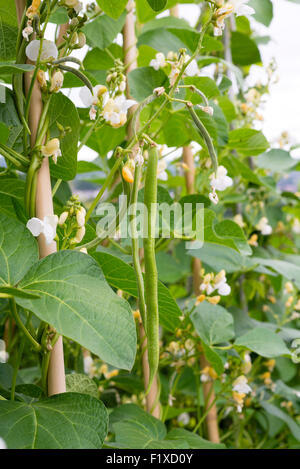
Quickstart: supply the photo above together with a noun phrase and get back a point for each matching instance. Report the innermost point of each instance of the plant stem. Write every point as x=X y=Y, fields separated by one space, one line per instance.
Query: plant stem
x=107 y=183
x=20 y=324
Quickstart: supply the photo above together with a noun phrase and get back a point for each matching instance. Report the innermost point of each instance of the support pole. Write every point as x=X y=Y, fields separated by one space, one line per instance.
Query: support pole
x=44 y=207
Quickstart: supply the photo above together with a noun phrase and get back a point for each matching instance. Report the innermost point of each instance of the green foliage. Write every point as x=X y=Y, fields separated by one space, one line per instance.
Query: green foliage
x=68 y=421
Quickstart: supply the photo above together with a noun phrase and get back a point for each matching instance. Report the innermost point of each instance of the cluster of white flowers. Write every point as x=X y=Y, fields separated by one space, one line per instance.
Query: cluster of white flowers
x=239 y=391
x=160 y=61
x=211 y=283
x=239 y=7
x=47 y=227
x=264 y=227
x=114 y=110
x=219 y=181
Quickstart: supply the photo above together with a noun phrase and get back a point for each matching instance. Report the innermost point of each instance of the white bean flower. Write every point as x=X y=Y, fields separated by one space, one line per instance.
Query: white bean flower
x=52 y=149
x=264 y=227
x=219 y=180
x=75 y=4
x=3 y=353
x=49 y=50
x=159 y=61
x=56 y=81
x=27 y=31
x=241 y=385
x=115 y=110
x=192 y=69
x=2 y=444
x=92 y=99
x=220 y=284
x=139 y=159
x=47 y=227
x=239 y=7
x=161 y=170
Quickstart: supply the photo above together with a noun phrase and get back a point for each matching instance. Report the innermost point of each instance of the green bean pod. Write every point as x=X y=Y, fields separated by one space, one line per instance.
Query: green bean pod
x=152 y=319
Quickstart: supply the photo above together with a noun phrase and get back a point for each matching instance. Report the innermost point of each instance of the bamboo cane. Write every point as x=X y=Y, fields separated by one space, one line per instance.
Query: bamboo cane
x=44 y=207
x=130 y=61
x=209 y=395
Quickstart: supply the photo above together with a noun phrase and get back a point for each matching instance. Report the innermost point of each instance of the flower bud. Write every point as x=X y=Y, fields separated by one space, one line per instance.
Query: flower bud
x=80 y=216
x=73 y=23
x=128 y=171
x=63 y=218
x=79 y=235
x=41 y=78
x=56 y=81
x=81 y=40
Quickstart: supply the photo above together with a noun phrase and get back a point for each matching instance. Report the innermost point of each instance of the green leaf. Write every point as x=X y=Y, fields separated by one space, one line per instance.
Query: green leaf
x=81 y=383
x=213 y=323
x=135 y=429
x=264 y=342
x=103 y=30
x=121 y=275
x=78 y=302
x=4 y=133
x=213 y=358
x=169 y=269
x=244 y=50
x=62 y=111
x=157 y=5
x=221 y=257
x=12 y=187
x=290 y=422
x=112 y=8
x=59 y=16
x=249 y=142
x=9 y=30
x=162 y=40
x=18 y=250
x=105 y=139
x=204 y=84
x=9 y=116
x=276 y=160
x=9 y=68
x=194 y=441
x=263 y=11
x=64 y=421
x=142 y=81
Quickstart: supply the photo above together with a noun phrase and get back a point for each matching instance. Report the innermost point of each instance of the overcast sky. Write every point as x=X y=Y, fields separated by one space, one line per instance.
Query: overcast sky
x=282 y=109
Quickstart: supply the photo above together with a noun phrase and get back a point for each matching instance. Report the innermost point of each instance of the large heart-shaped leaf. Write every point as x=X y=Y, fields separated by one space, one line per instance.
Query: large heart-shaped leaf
x=76 y=299
x=112 y=8
x=64 y=421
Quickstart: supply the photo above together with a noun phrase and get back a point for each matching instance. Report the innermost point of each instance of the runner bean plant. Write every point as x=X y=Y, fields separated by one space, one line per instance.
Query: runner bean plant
x=149 y=241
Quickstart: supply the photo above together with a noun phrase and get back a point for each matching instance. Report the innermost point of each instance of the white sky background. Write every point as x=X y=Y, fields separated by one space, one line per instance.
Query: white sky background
x=282 y=108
